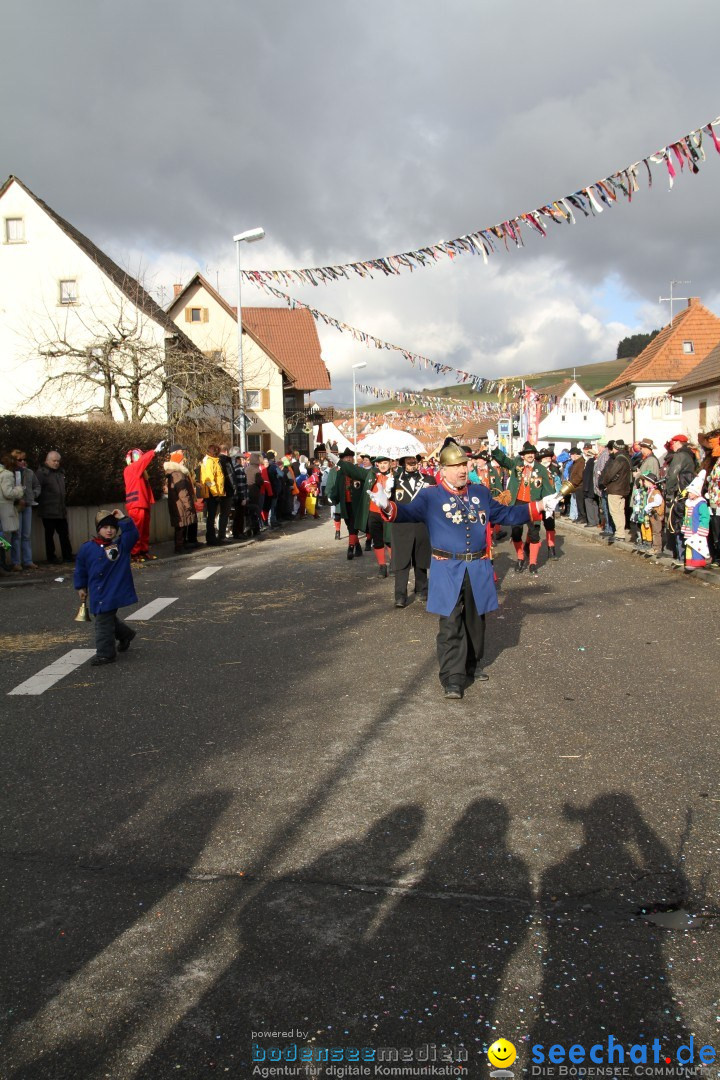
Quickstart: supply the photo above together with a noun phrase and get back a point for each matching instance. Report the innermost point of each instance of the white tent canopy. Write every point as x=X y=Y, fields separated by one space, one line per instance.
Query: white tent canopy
x=390 y=441
x=332 y=434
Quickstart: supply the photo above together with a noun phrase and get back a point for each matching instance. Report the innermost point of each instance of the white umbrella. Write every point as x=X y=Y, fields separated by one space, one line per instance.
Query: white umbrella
x=390 y=441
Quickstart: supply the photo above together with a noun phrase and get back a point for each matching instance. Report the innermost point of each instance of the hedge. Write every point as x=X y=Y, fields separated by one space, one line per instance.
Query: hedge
x=93 y=453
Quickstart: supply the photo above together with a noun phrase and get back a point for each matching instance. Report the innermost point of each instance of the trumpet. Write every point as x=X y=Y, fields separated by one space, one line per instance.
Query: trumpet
x=83 y=614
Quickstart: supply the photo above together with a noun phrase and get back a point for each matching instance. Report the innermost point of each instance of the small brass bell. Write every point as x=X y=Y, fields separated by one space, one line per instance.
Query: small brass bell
x=83 y=614
x=568 y=488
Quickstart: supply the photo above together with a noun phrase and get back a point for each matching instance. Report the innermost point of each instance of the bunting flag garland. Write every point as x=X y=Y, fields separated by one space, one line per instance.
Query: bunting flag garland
x=479 y=384
x=507 y=391
x=589 y=201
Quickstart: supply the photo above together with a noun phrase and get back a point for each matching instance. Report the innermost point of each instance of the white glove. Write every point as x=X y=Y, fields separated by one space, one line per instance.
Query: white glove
x=550 y=503
x=160 y=446
x=380 y=498
x=492 y=439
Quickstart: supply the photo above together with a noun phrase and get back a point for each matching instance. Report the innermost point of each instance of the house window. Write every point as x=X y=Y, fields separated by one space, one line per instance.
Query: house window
x=14 y=230
x=702 y=419
x=688 y=347
x=257 y=399
x=253 y=442
x=197 y=314
x=671 y=407
x=68 y=291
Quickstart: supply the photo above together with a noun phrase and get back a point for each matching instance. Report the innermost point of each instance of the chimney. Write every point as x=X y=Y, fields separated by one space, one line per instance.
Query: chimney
x=177 y=289
x=693 y=300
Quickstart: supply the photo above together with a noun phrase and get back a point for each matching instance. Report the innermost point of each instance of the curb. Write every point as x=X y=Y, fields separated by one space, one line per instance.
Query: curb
x=164 y=551
x=710 y=577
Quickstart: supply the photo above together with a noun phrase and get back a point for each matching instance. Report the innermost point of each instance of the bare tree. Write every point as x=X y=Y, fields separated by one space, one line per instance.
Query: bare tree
x=115 y=359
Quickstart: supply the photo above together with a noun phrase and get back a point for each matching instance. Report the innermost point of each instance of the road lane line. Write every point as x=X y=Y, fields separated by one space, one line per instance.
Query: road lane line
x=43 y=680
x=152 y=608
x=206 y=573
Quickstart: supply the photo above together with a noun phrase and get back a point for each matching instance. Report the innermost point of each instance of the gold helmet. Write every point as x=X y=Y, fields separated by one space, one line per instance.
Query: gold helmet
x=452 y=454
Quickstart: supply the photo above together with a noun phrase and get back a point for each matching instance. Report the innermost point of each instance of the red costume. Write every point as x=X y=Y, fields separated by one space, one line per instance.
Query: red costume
x=138 y=500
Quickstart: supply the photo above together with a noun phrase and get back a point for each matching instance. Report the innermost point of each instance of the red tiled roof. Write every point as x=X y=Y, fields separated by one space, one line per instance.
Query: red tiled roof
x=288 y=334
x=664 y=360
x=707 y=373
x=292 y=335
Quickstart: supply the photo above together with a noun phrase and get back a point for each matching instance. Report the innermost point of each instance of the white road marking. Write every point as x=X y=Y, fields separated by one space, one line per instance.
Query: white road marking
x=38 y=684
x=151 y=609
x=206 y=573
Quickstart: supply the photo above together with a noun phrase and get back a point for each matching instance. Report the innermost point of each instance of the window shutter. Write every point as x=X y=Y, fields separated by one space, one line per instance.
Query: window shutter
x=188 y=315
x=206 y=314
x=264 y=399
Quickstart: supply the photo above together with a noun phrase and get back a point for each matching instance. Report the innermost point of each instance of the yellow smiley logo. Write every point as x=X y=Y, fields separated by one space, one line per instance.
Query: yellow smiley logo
x=502 y=1054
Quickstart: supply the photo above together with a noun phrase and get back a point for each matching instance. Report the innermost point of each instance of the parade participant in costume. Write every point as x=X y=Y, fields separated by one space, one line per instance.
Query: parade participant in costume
x=485 y=472
x=712 y=493
x=139 y=497
x=363 y=484
x=545 y=457
x=696 y=525
x=410 y=542
x=103 y=578
x=348 y=494
x=529 y=481
x=462 y=587
x=654 y=514
x=180 y=491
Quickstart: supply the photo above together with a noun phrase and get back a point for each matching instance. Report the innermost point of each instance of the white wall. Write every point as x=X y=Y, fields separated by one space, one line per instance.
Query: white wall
x=31 y=314
x=691 y=419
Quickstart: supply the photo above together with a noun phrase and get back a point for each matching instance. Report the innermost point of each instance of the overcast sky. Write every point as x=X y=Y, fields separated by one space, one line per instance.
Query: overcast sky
x=351 y=130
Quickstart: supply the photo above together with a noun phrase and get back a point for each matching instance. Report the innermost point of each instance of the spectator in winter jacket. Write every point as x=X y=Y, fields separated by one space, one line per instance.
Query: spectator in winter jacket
x=103 y=578
x=575 y=477
x=52 y=509
x=180 y=491
x=588 y=488
x=11 y=493
x=240 y=494
x=21 y=555
x=615 y=479
x=226 y=503
x=213 y=480
x=681 y=468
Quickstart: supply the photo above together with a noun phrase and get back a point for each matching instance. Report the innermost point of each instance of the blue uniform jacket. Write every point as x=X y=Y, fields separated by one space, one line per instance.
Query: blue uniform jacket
x=109 y=584
x=449 y=531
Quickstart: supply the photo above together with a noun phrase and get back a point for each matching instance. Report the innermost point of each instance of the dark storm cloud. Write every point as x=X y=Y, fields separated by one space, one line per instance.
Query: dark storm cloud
x=355 y=130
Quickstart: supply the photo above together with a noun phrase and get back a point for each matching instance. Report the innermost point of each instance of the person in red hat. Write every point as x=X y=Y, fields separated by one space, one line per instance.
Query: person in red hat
x=139 y=498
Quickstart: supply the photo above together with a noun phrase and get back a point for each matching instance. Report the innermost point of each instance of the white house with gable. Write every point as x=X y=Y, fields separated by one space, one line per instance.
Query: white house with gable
x=573 y=420
x=78 y=335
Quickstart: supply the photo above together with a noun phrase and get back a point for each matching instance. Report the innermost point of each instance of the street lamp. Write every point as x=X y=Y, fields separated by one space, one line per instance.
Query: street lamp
x=249 y=237
x=354 y=367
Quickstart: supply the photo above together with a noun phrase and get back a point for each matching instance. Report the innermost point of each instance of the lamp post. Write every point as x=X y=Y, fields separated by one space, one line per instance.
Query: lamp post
x=354 y=367
x=249 y=237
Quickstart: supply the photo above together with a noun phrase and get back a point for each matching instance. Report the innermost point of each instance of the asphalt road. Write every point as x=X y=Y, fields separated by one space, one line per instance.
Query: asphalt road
x=266 y=818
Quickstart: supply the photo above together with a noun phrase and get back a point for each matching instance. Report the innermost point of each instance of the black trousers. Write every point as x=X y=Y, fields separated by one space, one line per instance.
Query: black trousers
x=59 y=526
x=238 y=525
x=107 y=628
x=461 y=638
x=226 y=502
x=533 y=532
x=376 y=528
x=402 y=578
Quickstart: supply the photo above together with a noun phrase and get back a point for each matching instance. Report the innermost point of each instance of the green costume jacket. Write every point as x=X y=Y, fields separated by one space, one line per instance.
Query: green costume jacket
x=362 y=482
x=540 y=481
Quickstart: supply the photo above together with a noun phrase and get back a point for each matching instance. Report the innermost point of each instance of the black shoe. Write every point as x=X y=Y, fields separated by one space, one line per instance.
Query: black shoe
x=358 y=551
x=422 y=595
x=98 y=661
x=382 y=571
x=533 y=569
x=478 y=675
x=400 y=601
x=351 y=553
x=124 y=645
x=338 y=536
x=453 y=690
x=552 y=553
x=368 y=545
x=519 y=566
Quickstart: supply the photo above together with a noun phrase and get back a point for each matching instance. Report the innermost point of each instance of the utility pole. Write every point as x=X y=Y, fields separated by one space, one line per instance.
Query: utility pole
x=671 y=298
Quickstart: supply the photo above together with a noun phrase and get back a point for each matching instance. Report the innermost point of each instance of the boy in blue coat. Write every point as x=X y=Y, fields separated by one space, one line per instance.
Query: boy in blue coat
x=103 y=577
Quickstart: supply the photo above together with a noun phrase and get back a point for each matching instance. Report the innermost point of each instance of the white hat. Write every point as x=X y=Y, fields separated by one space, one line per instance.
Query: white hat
x=697 y=485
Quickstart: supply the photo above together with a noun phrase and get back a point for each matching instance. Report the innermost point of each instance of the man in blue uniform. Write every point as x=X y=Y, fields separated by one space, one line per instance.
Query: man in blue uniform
x=462 y=584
